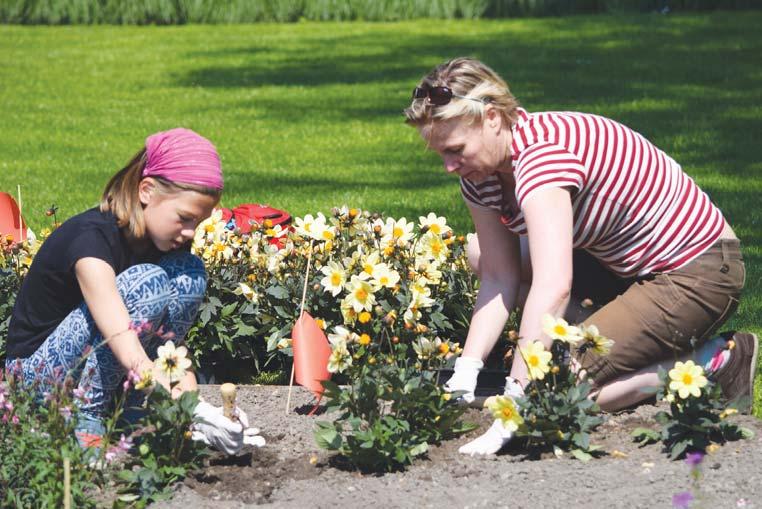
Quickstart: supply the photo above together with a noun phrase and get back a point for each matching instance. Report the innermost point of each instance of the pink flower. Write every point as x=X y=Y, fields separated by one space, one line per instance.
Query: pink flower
x=15 y=419
x=65 y=412
x=682 y=500
x=694 y=459
x=125 y=443
x=140 y=327
x=122 y=447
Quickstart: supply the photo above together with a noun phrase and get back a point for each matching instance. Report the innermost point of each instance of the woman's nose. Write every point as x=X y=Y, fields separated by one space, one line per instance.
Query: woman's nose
x=451 y=164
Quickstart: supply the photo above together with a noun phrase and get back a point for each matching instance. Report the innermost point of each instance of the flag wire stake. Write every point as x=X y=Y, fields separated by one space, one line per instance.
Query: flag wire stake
x=301 y=312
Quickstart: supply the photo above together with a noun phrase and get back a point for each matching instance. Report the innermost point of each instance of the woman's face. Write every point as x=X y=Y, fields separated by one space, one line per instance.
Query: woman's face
x=171 y=219
x=471 y=150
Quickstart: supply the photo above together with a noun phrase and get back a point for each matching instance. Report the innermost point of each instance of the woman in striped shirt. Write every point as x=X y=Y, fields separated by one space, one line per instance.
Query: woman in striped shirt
x=572 y=206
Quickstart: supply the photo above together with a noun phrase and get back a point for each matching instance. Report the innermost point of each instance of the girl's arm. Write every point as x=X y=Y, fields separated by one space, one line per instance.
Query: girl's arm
x=549 y=220
x=98 y=284
x=500 y=277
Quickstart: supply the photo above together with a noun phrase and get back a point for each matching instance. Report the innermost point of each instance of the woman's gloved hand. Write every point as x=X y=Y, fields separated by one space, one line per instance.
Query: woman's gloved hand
x=221 y=433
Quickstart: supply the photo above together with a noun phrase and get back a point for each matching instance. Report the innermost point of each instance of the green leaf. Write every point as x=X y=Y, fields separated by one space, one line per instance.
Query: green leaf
x=581 y=455
x=581 y=440
x=277 y=291
x=228 y=310
x=679 y=448
x=645 y=435
x=245 y=330
x=327 y=437
x=745 y=432
x=419 y=449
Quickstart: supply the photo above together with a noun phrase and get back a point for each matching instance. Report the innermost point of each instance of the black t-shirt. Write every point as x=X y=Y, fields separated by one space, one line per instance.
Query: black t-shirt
x=50 y=290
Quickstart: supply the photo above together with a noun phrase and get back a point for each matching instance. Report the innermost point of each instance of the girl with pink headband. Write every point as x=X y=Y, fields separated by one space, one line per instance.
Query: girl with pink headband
x=107 y=280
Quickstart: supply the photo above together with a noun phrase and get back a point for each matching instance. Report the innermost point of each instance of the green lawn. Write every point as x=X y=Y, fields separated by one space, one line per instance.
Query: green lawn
x=307 y=116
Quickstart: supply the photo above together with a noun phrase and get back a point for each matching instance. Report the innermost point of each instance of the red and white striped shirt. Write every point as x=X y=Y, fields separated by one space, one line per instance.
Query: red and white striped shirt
x=634 y=207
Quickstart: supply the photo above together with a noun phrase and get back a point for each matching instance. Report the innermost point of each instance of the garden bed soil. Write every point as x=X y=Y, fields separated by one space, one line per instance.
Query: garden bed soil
x=291 y=471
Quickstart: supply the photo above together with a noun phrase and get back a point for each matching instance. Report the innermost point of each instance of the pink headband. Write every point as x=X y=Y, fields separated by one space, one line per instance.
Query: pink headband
x=182 y=156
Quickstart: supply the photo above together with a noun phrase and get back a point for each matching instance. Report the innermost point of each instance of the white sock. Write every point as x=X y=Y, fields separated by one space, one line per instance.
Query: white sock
x=496 y=436
x=490 y=442
x=713 y=355
x=464 y=377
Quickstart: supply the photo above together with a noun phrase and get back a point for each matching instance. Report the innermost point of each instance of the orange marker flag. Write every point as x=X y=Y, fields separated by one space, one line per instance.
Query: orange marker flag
x=11 y=222
x=311 y=353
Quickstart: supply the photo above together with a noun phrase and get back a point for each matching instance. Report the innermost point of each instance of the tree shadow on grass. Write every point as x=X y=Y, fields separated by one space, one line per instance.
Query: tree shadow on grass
x=685 y=82
x=642 y=70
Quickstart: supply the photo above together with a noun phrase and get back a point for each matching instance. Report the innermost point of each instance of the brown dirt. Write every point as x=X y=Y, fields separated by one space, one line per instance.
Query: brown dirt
x=282 y=475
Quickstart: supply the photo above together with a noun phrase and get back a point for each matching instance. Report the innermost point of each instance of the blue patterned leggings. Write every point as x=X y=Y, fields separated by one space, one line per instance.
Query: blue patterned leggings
x=163 y=297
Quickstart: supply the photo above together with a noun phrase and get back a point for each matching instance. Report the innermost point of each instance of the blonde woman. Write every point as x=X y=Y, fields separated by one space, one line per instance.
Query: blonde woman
x=572 y=205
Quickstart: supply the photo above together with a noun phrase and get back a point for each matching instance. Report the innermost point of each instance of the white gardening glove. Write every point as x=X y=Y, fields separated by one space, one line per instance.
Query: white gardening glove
x=250 y=435
x=464 y=378
x=496 y=437
x=216 y=430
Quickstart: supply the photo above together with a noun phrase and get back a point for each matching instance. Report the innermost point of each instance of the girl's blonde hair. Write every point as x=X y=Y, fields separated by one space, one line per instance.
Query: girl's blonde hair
x=121 y=196
x=469 y=78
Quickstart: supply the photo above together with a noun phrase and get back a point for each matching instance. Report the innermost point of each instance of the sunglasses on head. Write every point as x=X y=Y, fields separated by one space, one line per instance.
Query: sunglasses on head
x=439 y=96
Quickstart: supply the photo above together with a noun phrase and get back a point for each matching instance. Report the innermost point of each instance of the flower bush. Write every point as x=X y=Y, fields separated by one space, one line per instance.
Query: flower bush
x=383 y=289
x=15 y=259
x=166 y=452
x=35 y=437
x=556 y=410
x=697 y=417
x=366 y=269
x=143 y=460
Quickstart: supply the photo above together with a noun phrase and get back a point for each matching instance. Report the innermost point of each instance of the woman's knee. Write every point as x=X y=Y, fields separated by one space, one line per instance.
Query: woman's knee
x=473 y=254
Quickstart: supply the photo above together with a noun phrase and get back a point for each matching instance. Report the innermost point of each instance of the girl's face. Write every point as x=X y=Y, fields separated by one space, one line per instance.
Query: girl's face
x=171 y=219
x=471 y=150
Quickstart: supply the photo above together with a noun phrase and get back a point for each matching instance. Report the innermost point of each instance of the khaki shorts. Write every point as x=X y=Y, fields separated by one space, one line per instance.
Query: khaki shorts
x=660 y=316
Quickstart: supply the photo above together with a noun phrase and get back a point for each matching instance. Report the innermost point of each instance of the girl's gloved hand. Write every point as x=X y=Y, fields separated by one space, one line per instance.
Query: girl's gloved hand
x=221 y=433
